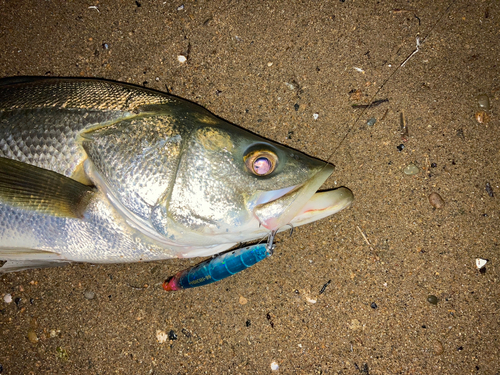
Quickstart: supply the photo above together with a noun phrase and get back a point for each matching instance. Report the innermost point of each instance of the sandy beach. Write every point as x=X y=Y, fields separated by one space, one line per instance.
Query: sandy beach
x=387 y=286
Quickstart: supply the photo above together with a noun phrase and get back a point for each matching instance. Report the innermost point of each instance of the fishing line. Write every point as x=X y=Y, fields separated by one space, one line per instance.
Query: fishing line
x=419 y=43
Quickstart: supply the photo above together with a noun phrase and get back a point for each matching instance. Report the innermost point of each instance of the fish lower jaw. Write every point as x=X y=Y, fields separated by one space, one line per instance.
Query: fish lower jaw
x=320 y=205
x=323 y=204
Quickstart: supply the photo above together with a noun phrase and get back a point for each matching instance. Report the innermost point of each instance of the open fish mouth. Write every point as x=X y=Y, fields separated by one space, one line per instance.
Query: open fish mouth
x=301 y=204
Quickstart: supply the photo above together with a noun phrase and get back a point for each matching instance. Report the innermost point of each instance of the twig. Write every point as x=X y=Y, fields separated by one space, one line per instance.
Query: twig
x=368 y=242
x=413 y=53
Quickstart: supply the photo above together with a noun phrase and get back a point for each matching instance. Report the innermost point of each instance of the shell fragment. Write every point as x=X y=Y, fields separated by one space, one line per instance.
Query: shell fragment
x=480 y=263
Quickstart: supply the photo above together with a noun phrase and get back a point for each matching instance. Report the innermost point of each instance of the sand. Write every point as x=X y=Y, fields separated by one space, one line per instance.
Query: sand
x=270 y=67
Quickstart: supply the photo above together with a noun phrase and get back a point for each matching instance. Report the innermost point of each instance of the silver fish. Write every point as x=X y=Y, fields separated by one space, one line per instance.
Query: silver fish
x=106 y=172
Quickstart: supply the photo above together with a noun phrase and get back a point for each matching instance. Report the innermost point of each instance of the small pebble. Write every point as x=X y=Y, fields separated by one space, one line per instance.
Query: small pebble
x=434 y=165
x=482 y=117
x=89 y=294
x=484 y=102
x=269 y=63
x=489 y=190
x=274 y=366
x=62 y=353
x=373 y=305
x=7 y=298
x=438 y=347
x=243 y=300
x=32 y=336
x=355 y=95
x=315 y=116
x=180 y=7
x=411 y=170
x=371 y=121
x=311 y=300
x=432 y=299
x=400 y=147
x=355 y=325
x=171 y=335
x=182 y=59
x=296 y=106
x=436 y=201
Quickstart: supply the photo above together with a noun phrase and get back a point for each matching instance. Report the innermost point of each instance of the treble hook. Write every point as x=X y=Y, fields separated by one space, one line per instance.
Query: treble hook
x=270 y=242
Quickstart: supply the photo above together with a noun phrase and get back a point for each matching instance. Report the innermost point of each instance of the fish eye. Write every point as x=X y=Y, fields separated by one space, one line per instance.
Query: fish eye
x=261 y=163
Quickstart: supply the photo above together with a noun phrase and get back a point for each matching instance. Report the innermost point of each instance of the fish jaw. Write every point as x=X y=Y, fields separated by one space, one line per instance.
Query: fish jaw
x=283 y=209
x=323 y=204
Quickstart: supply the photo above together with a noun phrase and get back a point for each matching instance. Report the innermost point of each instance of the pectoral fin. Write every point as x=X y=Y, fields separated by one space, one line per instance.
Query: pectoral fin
x=37 y=189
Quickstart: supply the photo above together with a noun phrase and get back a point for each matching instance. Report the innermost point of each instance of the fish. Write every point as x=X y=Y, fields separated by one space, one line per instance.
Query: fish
x=100 y=171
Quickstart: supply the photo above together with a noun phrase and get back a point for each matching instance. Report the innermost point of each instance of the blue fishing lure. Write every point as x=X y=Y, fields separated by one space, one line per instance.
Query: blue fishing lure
x=220 y=267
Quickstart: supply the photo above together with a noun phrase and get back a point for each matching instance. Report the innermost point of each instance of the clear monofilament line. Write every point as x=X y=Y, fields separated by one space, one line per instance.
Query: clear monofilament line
x=419 y=43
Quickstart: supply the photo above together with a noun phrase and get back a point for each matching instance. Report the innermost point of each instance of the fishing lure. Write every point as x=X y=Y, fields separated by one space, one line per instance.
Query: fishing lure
x=221 y=266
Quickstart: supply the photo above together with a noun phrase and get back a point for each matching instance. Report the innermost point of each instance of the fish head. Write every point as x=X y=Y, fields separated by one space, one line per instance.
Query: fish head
x=234 y=186
x=187 y=178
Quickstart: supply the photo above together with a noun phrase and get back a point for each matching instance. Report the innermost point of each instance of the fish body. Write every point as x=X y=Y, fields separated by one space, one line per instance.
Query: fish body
x=105 y=172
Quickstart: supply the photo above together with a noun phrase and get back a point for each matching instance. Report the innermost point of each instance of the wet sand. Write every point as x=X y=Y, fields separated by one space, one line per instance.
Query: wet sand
x=270 y=67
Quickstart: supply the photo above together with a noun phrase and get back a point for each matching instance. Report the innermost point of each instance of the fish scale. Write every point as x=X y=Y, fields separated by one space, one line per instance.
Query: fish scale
x=88 y=94
x=139 y=172
x=27 y=117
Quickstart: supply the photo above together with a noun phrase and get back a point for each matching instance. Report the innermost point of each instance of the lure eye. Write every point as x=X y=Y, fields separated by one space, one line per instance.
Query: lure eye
x=261 y=163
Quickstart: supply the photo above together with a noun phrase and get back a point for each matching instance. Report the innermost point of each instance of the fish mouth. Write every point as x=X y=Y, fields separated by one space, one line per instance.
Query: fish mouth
x=323 y=204
x=301 y=204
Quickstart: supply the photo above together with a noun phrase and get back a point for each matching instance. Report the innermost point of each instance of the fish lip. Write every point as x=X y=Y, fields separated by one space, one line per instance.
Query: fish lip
x=323 y=204
x=288 y=202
